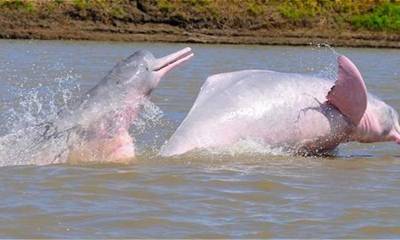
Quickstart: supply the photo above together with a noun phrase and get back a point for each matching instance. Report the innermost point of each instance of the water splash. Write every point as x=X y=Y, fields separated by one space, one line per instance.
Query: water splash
x=150 y=129
x=329 y=71
x=26 y=112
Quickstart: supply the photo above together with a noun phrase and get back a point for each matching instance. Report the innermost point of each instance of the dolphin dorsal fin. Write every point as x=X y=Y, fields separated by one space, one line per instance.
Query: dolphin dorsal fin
x=349 y=94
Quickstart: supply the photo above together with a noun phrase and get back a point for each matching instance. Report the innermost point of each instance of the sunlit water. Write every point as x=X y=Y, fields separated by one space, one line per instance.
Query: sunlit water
x=242 y=193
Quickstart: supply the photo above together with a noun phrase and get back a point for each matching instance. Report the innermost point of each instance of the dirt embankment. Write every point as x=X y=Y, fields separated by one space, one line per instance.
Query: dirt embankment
x=339 y=23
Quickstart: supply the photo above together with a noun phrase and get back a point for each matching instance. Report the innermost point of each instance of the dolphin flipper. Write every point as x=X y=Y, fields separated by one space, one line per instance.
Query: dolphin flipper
x=349 y=94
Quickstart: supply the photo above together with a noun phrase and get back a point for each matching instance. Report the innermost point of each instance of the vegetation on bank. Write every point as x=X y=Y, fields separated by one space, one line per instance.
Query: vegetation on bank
x=372 y=15
x=383 y=17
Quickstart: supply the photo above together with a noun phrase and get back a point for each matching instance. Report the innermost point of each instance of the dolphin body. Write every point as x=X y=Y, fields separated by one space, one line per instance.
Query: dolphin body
x=96 y=128
x=303 y=114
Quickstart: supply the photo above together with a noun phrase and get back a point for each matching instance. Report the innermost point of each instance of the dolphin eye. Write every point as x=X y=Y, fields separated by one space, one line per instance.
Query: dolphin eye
x=385 y=132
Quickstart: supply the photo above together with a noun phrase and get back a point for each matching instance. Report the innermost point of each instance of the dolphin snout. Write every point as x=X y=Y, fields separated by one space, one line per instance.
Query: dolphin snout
x=164 y=64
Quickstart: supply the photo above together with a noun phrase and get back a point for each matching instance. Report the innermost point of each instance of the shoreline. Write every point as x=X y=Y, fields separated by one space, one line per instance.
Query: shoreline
x=155 y=32
x=295 y=23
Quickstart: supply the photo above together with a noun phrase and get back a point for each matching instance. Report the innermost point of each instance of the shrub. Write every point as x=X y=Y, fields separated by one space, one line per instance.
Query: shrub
x=383 y=17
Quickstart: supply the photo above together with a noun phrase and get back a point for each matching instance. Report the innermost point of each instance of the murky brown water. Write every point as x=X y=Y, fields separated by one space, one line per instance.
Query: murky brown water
x=236 y=195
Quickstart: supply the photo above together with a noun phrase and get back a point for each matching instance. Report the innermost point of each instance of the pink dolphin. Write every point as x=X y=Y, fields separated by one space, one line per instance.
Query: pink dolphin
x=304 y=114
x=96 y=129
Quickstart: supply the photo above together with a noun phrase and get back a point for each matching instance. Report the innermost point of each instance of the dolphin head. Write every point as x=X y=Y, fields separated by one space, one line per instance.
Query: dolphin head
x=141 y=72
x=388 y=120
x=380 y=123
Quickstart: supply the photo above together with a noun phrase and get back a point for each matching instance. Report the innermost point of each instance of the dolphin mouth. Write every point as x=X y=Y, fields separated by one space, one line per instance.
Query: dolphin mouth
x=164 y=64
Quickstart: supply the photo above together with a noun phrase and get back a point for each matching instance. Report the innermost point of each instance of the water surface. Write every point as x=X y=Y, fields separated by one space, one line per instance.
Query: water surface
x=236 y=195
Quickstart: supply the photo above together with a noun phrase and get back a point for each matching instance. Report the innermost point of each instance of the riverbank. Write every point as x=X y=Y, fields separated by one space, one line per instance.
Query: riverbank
x=205 y=21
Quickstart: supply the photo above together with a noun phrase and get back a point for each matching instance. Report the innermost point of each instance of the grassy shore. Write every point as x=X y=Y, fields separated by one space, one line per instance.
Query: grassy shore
x=363 y=23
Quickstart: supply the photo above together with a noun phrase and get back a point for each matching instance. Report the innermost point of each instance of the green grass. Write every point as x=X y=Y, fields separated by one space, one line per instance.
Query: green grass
x=165 y=6
x=297 y=10
x=383 y=17
x=118 y=12
x=20 y=5
x=81 y=4
x=377 y=15
x=255 y=9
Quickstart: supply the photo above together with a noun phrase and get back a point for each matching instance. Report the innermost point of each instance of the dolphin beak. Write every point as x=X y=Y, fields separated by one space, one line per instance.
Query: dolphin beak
x=164 y=64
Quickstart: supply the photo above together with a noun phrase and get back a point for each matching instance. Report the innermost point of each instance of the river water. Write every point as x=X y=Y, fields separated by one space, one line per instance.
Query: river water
x=239 y=194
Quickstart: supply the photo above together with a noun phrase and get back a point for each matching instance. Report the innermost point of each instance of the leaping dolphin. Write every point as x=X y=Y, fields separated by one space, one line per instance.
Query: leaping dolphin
x=303 y=114
x=96 y=129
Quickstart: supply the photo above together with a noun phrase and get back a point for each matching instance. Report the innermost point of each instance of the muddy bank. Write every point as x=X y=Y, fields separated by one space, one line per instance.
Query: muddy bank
x=81 y=30
x=163 y=21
